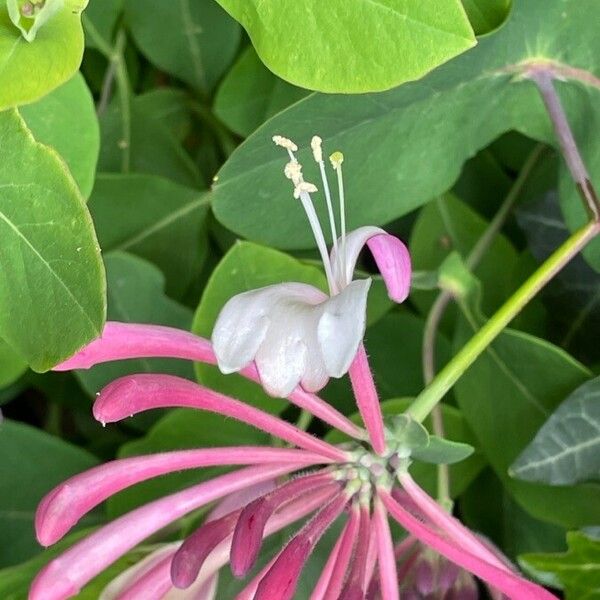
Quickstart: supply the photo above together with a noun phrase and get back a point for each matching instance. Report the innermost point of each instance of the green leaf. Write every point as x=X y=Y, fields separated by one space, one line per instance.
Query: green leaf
x=365 y=46
x=246 y=267
x=153 y=148
x=153 y=218
x=456 y=428
x=181 y=429
x=486 y=15
x=169 y=106
x=42 y=461
x=135 y=295
x=566 y=450
x=573 y=296
x=576 y=571
x=421 y=133
x=102 y=17
x=30 y=70
x=11 y=365
x=66 y=120
x=511 y=390
x=448 y=225
x=442 y=451
x=198 y=40
x=52 y=282
x=250 y=94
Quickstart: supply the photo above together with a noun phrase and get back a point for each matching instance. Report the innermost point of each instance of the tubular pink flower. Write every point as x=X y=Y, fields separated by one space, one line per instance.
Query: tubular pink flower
x=342 y=558
x=121 y=341
x=510 y=584
x=446 y=522
x=64 y=576
x=249 y=591
x=60 y=509
x=249 y=528
x=136 y=393
x=367 y=399
x=282 y=578
x=190 y=556
x=388 y=575
x=371 y=557
x=354 y=590
x=152 y=585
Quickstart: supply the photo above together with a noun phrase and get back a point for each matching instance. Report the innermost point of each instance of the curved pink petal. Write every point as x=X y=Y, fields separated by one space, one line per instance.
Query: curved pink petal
x=386 y=559
x=61 y=508
x=132 y=394
x=65 y=575
x=121 y=341
x=282 y=578
x=367 y=399
x=249 y=529
x=390 y=254
x=509 y=583
x=446 y=522
x=340 y=559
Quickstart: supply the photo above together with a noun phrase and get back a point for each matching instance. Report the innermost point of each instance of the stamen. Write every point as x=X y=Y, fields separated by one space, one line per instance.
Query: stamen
x=304 y=187
x=315 y=144
x=293 y=171
x=337 y=158
x=284 y=142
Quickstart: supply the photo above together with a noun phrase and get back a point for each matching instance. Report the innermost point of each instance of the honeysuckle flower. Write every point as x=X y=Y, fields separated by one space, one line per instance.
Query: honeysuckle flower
x=293 y=332
x=315 y=482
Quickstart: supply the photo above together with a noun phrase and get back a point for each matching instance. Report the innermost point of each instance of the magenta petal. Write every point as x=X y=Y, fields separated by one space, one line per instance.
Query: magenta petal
x=354 y=585
x=249 y=529
x=367 y=399
x=190 y=556
x=394 y=264
x=136 y=393
x=61 y=508
x=281 y=580
x=64 y=576
x=121 y=341
x=509 y=583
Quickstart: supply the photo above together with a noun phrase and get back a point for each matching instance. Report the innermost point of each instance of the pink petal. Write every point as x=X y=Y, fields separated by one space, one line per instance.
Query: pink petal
x=121 y=341
x=64 y=576
x=371 y=558
x=394 y=264
x=338 y=562
x=250 y=590
x=241 y=498
x=136 y=393
x=190 y=556
x=390 y=254
x=446 y=522
x=509 y=583
x=367 y=399
x=281 y=580
x=386 y=558
x=249 y=529
x=61 y=508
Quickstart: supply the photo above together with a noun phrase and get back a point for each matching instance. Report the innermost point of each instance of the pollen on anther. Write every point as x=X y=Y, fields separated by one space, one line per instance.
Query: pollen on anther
x=304 y=187
x=284 y=142
x=337 y=158
x=293 y=171
x=317 y=151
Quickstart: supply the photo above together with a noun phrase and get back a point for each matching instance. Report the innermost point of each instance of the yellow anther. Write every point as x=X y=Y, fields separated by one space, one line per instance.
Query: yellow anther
x=337 y=158
x=304 y=187
x=315 y=144
x=285 y=143
x=293 y=171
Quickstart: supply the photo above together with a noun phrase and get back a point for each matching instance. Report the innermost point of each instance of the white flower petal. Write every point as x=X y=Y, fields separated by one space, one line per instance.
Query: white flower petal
x=355 y=242
x=244 y=320
x=342 y=326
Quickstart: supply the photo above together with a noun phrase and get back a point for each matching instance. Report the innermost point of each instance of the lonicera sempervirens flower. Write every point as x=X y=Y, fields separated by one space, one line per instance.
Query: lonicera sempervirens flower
x=361 y=483
x=293 y=332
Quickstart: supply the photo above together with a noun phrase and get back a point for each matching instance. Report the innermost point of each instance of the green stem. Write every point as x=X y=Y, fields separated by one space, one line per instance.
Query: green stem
x=438 y=308
x=447 y=377
x=124 y=90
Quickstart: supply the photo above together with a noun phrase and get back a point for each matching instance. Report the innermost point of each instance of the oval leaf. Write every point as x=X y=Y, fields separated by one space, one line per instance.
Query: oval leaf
x=29 y=70
x=353 y=47
x=566 y=450
x=441 y=451
x=52 y=286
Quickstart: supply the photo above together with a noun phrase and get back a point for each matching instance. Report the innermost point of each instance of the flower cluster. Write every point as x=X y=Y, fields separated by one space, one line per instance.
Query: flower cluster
x=361 y=483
